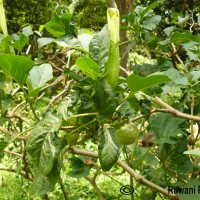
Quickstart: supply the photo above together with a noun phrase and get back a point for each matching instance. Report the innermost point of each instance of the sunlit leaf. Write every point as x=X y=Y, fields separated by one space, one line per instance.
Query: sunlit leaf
x=193 y=152
x=137 y=83
x=16 y=67
x=88 y=66
x=39 y=75
x=61 y=25
x=44 y=41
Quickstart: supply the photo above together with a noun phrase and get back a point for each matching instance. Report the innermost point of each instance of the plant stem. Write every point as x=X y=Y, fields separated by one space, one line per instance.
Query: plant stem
x=31 y=105
x=74 y=131
x=93 y=182
x=63 y=188
x=20 y=134
x=136 y=176
x=82 y=115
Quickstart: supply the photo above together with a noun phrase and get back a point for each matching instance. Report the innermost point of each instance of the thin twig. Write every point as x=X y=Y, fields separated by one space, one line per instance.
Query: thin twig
x=15 y=171
x=62 y=186
x=175 y=112
x=54 y=83
x=13 y=153
x=135 y=175
x=18 y=106
x=61 y=93
x=93 y=183
x=10 y=115
x=4 y=130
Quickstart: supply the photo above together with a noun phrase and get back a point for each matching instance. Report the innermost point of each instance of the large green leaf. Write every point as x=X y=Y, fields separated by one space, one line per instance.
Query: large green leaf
x=108 y=148
x=184 y=37
x=44 y=184
x=61 y=25
x=17 y=67
x=166 y=127
x=88 y=66
x=37 y=139
x=49 y=153
x=104 y=100
x=79 y=168
x=137 y=83
x=85 y=40
x=21 y=42
x=151 y=22
x=175 y=76
x=171 y=155
x=99 y=46
x=39 y=75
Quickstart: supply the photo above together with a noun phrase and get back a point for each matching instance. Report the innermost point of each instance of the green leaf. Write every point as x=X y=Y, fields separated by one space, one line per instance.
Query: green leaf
x=88 y=66
x=49 y=153
x=151 y=22
x=79 y=168
x=85 y=40
x=150 y=7
x=184 y=37
x=194 y=75
x=44 y=41
x=169 y=30
x=47 y=125
x=176 y=76
x=16 y=67
x=63 y=108
x=39 y=75
x=166 y=128
x=27 y=30
x=72 y=138
x=61 y=25
x=108 y=148
x=3 y=144
x=137 y=83
x=173 y=158
x=193 y=50
x=44 y=184
x=104 y=100
x=5 y=103
x=99 y=46
x=21 y=42
x=193 y=152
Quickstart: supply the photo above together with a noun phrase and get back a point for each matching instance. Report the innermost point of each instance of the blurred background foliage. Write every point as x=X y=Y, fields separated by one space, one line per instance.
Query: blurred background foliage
x=87 y=13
